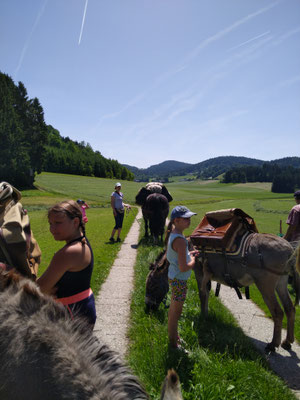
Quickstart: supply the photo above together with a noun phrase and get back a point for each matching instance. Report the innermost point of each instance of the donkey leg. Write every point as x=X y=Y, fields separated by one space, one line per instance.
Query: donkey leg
x=289 y=310
x=267 y=289
x=146 y=227
x=202 y=281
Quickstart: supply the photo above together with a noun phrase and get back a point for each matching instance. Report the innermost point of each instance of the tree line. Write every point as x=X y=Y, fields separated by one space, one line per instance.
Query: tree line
x=71 y=157
x=30 y=146
x=285 y=179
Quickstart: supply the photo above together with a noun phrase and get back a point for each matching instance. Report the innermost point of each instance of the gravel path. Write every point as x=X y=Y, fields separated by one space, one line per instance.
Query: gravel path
x=113 y=301
x=113 y=310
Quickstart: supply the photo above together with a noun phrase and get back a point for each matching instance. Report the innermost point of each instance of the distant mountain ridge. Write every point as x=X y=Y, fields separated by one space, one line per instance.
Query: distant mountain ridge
x=164 y=168
x=210 y=168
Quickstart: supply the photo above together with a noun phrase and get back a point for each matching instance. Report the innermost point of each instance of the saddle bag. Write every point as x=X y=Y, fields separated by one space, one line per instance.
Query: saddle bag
x=219 y=229
x=18 y=248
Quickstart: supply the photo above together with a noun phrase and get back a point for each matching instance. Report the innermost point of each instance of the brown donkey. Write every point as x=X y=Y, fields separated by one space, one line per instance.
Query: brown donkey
x=268 y=261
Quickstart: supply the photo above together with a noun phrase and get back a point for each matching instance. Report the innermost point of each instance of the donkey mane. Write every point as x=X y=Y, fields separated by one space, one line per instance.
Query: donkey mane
x=46 y=355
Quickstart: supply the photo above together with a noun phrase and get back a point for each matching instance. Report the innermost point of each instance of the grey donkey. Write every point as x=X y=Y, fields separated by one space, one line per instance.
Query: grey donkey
x=45 y=355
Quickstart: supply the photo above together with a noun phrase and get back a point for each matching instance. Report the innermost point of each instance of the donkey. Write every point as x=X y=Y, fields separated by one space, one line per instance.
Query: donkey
x=155 y=211
x=44 y=355
x=267 y=263
x=157 y=284
x=154 y=199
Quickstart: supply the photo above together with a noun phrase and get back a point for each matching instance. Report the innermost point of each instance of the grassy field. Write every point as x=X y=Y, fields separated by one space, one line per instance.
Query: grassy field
x=222 y=363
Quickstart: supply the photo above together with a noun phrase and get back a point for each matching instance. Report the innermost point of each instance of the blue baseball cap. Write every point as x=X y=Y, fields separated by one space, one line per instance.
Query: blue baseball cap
x=181 y=212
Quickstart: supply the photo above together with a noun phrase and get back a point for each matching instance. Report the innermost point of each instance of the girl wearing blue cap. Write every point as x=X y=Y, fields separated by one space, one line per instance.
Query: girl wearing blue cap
x=181 y=263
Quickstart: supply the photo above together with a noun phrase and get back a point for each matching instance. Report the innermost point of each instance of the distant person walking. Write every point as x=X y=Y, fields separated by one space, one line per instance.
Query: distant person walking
x=83 y=206
x=293 y=232
x=68 y=276
x=181 y=263
x=118 y=207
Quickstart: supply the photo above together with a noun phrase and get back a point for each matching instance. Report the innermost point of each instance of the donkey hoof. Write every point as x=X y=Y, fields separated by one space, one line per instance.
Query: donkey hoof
x=270 y=348
x=286 y=345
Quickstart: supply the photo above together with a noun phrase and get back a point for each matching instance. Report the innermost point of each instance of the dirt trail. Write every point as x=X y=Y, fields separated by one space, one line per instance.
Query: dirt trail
x=113 y=301
x=113 y=311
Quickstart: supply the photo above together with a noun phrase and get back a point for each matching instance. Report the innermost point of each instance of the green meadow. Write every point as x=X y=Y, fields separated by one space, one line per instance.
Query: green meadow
x=222 y=363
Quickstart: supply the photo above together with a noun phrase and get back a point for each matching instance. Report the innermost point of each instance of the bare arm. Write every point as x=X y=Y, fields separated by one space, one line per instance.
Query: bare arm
x=179 y=245
x=71 y=258
x=56 y=269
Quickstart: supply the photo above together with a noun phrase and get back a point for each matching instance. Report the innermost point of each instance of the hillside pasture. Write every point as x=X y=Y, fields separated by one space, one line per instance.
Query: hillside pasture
x=95 y=190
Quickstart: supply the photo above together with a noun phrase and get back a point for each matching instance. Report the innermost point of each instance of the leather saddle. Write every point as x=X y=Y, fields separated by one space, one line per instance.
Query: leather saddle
x=222 y=230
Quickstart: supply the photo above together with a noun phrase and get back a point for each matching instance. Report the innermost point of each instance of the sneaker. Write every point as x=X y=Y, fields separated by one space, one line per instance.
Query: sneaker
x=112 y=240
x=118 y=240
x=180 y=348
x=180 y=341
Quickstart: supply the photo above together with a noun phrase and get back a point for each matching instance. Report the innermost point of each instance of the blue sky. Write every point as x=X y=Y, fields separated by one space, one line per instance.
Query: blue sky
x=144 y=81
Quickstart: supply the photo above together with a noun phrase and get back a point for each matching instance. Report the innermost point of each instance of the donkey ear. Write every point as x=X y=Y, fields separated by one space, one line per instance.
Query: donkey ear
x=165 y=192
x=140 y=198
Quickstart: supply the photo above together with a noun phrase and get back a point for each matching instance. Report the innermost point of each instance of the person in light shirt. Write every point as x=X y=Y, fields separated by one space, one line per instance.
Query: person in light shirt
x=118 y=207
x=293 y=232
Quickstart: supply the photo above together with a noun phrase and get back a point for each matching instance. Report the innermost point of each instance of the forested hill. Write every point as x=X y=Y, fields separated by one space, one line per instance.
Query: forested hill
x=68 y=156
x=210 y=168
x=164 y=169
x=284 y=173
x=29 y=146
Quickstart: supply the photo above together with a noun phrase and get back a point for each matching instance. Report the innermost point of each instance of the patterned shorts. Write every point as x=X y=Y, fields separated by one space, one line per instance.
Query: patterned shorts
x=178 y=289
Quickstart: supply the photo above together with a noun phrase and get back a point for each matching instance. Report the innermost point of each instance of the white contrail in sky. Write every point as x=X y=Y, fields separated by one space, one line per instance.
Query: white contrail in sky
x=25 y=47
x=249 y=41
x=194 y=53
x=83 y=19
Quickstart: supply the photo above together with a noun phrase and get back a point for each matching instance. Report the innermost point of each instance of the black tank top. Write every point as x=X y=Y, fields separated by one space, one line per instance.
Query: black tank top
x=73 y=282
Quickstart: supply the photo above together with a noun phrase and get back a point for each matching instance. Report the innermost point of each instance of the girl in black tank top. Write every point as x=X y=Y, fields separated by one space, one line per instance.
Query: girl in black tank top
x=69 y=274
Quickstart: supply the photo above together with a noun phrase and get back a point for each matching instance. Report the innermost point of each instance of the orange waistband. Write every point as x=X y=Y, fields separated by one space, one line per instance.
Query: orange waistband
x=75 y=298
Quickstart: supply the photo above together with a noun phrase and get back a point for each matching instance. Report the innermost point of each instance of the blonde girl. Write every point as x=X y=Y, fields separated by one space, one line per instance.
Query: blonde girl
x=181 y=263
